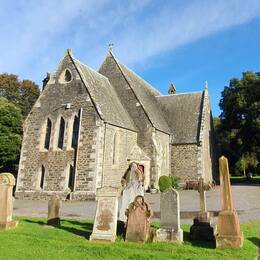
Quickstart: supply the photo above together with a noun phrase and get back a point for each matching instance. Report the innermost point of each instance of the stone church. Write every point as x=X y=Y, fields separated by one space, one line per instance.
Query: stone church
x=87 y=126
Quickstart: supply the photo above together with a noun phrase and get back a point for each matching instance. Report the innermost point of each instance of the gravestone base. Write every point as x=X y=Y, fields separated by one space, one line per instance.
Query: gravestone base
x=55 y=222
x=102 y=238
x=201 y=231
x=229 y=241
x=169 y=235
x=228 y=233
x=8 y=225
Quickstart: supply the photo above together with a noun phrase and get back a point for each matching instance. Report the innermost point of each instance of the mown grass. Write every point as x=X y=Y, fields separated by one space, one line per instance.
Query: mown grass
x=33 y=240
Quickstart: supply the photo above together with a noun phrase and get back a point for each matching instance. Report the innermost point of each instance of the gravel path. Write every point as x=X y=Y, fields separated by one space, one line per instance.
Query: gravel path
x=246 y=202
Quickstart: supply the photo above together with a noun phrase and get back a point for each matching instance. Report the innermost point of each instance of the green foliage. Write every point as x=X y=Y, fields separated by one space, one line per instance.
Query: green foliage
x=21 y=93
x=175 y=181
x=32 y=240
x=165 y=182
x=10 y=134
x=238 y=131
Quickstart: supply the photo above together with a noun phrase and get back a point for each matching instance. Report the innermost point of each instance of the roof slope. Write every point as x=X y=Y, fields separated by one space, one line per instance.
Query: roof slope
x=145 y=93
x=183 y=114
x=104 y=96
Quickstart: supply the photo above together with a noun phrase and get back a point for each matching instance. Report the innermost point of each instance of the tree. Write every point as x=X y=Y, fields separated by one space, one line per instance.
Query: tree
x=21 y=93
x=10 y=135
x=239 y=130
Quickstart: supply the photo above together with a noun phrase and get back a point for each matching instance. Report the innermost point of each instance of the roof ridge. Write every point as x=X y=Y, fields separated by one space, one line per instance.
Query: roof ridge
x=179 y=94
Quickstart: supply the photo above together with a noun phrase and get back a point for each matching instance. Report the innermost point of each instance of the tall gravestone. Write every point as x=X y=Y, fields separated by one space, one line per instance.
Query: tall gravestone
x=228 y=228
x=54 y=205
x=7 y=182
x=170 y=230
x=105 y=223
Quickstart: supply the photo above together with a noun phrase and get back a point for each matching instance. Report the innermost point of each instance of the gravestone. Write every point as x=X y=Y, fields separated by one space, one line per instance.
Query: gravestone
x=105 y=223
x=54 y=205
x=201 y=228
x=138 y=215
x=7 y=182
x=170 y=230
x=132 y=181
x=228 y=234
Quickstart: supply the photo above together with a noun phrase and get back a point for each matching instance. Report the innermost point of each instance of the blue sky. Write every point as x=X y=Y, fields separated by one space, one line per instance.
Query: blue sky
x=184 y=42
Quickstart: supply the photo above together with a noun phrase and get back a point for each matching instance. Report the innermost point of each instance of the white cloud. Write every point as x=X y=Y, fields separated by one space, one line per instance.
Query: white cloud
x=36 y=33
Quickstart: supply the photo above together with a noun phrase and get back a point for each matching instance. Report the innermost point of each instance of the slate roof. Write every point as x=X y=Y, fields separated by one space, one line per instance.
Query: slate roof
x=183 y=115
x=145 y=93
x=104 y=97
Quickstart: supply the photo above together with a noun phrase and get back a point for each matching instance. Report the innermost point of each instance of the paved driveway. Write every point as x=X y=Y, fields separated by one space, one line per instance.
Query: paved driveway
x=246 y=202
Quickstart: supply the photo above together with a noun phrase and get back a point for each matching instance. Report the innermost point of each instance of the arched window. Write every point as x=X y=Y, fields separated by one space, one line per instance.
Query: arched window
x=42 y=177
x=75 y=133
x=68 y=76
x=115 y=149
x=48 y=134
x=71 y=178
x=61 y=133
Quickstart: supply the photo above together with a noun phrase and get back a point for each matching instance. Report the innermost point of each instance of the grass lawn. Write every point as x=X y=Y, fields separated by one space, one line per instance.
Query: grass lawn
x=33 y=240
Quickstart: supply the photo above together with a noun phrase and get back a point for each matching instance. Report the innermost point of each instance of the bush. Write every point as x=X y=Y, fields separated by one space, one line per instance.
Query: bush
x=165 y=182
x=175 y=182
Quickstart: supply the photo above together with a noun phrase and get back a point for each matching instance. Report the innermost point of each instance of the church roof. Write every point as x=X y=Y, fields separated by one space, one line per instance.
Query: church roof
x=145 y=93
x=104 y=97
x=183 y=115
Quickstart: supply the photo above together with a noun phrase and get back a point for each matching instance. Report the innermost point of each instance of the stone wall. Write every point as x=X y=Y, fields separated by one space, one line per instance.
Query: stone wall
x=51 y=104
x=184 y=161
x=117 y=147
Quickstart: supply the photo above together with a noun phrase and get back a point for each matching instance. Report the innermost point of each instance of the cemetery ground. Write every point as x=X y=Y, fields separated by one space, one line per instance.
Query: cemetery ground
x=32 y=239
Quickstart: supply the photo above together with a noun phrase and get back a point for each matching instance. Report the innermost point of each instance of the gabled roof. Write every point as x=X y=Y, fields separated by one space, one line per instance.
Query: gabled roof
x=104 y=97
x=145 y=93
x=183 y=114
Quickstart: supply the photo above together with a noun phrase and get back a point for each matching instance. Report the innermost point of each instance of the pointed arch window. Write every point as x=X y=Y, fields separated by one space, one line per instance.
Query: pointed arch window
x=115 y=149
x=48 y=134
x=71 y=178
x=61 y=133
x=42 y=176
x=75 y=133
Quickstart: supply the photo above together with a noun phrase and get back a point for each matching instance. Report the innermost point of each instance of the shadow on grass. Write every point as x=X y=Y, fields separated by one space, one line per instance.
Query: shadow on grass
x=254 y=240
x=197 y=243
x=72 y=226
x=78 y=228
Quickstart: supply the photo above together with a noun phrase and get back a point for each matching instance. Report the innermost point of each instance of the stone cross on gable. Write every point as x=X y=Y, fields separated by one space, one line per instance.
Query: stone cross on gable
x=110 y=46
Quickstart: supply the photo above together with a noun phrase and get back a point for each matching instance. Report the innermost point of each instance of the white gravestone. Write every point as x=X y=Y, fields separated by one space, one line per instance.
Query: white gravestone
x=170 y=217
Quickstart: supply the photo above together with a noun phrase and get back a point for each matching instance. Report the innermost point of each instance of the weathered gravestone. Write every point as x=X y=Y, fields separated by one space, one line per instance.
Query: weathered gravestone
x=7 y=182
x=54 y=205
x=106 y=215
x=201 y=228
x=228 y=228
x=170 y=217
x=138 y=226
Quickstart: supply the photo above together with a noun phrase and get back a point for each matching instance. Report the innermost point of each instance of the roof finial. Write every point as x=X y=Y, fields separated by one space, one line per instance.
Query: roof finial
x=206 y=84
x=69 y=51
x=172 y=89
x=110 y=46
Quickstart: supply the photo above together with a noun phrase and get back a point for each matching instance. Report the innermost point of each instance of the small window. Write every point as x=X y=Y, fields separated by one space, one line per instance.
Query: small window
x=48 y=134
x=42 y=177
x=115 y=149
x=65 y=76
x=75 y=133
x=71 y=178
x=68 y=76
x=61 y=133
